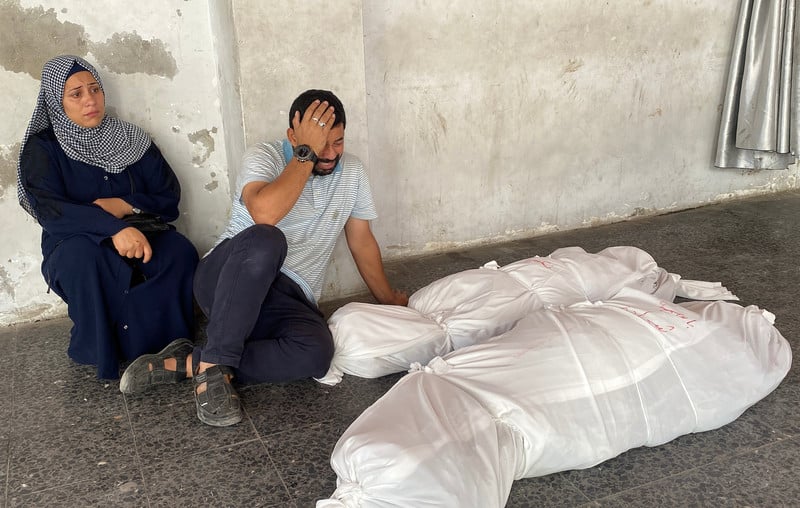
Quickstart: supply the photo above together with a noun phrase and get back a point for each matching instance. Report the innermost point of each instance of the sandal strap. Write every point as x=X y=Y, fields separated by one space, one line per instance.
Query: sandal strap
x=180 y=358
x=219 y=403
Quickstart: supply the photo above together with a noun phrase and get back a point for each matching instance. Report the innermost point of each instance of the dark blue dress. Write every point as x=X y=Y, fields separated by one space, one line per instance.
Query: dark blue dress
x=121 y=308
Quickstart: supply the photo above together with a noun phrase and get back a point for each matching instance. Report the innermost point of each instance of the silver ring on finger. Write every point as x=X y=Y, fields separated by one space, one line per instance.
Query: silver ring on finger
x=315 y=119
x=322 y=124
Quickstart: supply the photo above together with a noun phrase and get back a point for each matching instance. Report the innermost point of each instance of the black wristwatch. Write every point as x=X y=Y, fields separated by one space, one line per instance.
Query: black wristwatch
x=304 y=153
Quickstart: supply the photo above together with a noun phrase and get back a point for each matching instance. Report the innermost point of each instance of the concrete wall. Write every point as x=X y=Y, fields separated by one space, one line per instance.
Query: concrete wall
x=159 y=66
x=478 y=121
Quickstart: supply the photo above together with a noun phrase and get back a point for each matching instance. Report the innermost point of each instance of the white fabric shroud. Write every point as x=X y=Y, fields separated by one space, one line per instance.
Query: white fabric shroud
x=472 y=306
x=575 y=385
x=438 y=447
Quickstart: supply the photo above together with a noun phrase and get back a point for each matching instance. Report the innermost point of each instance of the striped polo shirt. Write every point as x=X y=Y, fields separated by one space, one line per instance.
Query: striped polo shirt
x=314 y=223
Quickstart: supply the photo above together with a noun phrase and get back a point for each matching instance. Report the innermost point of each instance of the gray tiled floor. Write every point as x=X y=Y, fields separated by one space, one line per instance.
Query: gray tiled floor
x=67 y=440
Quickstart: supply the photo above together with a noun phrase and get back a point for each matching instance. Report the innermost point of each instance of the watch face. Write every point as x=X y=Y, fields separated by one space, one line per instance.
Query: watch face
x=304 y=153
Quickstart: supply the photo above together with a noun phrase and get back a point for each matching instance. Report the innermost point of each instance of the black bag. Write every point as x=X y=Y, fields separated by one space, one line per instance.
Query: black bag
x=146 y=222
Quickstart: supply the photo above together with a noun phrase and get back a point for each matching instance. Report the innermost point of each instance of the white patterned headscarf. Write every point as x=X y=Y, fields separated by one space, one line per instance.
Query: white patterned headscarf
x=113 y=145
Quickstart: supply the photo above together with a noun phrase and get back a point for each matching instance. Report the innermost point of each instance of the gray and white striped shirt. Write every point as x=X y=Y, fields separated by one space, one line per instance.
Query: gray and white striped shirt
x=318 y=217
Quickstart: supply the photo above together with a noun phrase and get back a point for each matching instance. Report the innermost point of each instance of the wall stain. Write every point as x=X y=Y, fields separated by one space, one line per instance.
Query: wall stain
x=570 y=83
x=24 y=49
x=8 y=168
x=22 y=45
x=442 y=120
x=213 y=184
x=204 y=144
x=432 y=124
x=6 y=284
x=573 y=66
x=128 y=53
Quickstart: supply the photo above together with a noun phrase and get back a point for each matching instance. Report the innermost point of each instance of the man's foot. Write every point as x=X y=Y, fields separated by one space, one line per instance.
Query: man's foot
x=216 y=399
x=151 y=370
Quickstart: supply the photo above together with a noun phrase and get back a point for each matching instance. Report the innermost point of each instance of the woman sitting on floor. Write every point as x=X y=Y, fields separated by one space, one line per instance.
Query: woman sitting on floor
x=88 y=178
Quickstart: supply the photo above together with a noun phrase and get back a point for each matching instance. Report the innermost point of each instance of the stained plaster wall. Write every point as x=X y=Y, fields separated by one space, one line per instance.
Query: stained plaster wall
x=160 y=70
x=477 y=121
x=483 y=121
x=512 y=118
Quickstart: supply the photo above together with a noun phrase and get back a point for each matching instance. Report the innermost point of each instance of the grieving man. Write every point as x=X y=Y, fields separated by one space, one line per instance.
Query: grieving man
x=260 y=284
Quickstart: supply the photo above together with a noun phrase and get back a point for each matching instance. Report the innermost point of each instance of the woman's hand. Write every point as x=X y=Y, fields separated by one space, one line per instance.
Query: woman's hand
x=131 y=243
x=117 y=207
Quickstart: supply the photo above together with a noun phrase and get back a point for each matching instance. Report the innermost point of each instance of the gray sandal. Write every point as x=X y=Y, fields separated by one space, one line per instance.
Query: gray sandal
x=148 y=371
x=219 y=404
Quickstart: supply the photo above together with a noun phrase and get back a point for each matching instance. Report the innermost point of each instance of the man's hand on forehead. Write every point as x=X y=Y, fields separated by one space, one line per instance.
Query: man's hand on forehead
x=312 y=129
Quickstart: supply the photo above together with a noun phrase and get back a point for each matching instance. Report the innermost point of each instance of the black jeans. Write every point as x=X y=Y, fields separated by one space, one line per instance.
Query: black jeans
x=260 y=321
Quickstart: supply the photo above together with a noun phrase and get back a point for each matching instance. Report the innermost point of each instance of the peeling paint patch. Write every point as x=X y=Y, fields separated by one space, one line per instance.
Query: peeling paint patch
x=6 y=284
x=23 y=46
x=8 y=167
x=128 y=53
x=34 y=312
x=213 y=184
x=30 y=37
x=782 y=181
x=203 y=142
